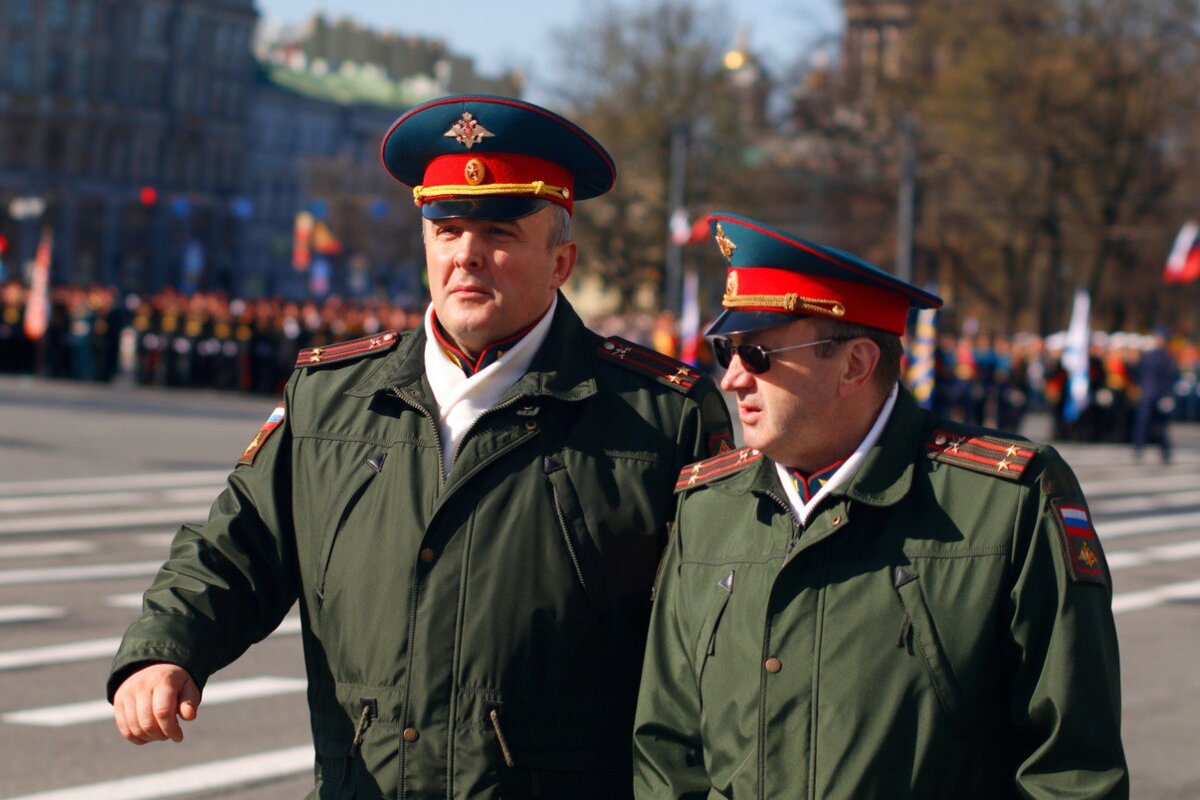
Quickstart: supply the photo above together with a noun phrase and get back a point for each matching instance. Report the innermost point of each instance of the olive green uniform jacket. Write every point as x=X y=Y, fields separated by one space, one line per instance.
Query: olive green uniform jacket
x=519 y=585
x=933 y=632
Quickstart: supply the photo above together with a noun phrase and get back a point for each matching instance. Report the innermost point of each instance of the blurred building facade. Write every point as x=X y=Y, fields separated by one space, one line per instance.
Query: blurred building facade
x=165 y=145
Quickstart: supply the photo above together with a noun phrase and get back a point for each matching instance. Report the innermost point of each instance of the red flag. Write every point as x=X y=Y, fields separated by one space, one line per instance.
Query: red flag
x=684 y=234
x=323 y=240
x=301 y=236
x=37 y=306
x=1183 y=264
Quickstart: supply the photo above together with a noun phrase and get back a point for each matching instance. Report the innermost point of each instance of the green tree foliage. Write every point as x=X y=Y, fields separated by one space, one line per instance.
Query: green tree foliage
x=1050 y=153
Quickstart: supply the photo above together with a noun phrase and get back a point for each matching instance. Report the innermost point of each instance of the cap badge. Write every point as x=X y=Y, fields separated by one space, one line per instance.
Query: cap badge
x=474 y=172
x=731 y=283
x=468 y=131
x=725 y=243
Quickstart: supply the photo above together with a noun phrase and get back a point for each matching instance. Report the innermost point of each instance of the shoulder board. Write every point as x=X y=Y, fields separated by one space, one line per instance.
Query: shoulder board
x=991 y=455
x=710 y=469
x=343 y=351
x=667 y=371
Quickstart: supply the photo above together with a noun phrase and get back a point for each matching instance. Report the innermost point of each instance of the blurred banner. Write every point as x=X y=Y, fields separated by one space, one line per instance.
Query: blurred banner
x=1075 y=358
x=1183 y=264
x=689 y=319
x=37 y=307
x=301 y=236
x=921 y=368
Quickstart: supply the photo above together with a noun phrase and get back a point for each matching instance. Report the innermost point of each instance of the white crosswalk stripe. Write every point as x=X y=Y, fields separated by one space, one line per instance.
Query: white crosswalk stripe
x=30 y=613
x=191 y=780
x=215 y=693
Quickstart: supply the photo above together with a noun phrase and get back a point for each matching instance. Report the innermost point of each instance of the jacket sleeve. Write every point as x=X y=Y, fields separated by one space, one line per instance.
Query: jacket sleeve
x=1065 y=693
x=667 y=750
x=226 y=584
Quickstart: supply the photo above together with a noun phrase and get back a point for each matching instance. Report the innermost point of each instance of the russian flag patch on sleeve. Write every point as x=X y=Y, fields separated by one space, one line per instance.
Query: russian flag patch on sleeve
x=260 y=438
x=1081 y=547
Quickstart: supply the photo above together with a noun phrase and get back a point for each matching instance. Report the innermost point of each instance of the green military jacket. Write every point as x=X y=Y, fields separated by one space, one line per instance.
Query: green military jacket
x=475 y=636
x=941 y=628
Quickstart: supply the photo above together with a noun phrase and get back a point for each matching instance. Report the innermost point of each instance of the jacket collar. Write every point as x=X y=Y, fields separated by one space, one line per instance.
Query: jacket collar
x=558 y=369
x=884 y=477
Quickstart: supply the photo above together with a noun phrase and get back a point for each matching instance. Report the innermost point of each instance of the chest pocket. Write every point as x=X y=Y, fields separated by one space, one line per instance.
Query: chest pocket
x=581 y=549
x=369 y=467
x=706 y=642
x=919 y=634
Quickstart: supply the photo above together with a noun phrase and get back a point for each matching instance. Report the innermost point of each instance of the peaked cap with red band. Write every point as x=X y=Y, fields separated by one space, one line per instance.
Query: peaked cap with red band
x=487 y=157
x=775 y=277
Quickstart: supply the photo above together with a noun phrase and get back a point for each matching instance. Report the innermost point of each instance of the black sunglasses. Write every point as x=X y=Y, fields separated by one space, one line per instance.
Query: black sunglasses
x=756 y=358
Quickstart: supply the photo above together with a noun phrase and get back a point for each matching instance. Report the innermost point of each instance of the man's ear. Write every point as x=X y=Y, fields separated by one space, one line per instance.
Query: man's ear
x=564 y=263
x=861 y=358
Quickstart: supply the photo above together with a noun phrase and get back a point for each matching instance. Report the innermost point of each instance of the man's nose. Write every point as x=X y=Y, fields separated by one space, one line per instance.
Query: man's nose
x=469 y=254
x=736 y=375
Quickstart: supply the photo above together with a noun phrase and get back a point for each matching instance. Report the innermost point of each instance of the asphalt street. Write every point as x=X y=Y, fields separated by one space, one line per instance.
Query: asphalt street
x=95 y=479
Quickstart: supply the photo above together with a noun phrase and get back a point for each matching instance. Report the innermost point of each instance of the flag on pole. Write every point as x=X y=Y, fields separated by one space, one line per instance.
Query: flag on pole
x=689 y=319
x=1183 y=263
x=323 y=241
x=921 y=365
x=301 y=239
x=683 y=234
x=1075 y=358
x=37 y=306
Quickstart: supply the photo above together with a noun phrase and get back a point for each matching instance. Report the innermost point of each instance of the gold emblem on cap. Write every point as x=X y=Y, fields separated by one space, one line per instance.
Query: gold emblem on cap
x=468 y=131
x=725 y=243
x=474 y=172
x=731 y=283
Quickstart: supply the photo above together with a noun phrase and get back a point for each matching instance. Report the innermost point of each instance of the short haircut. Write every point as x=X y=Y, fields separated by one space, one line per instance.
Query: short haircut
x=891 y=349
x=560 y=227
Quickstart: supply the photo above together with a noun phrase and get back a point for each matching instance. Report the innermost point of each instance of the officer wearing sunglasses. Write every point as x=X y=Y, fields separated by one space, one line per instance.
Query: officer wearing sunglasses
x=869 y=600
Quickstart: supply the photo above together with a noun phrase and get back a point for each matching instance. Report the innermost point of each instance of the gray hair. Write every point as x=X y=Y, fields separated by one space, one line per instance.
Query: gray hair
x=891 y=349
x=560 y=227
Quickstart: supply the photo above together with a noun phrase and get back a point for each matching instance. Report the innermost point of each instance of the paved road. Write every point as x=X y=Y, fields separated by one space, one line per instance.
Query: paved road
x=94 y=480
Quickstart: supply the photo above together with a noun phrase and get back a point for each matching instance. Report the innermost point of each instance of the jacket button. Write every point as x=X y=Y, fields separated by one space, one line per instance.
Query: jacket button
x=427 y=555
x=837 y=520
x=773 y=665
x=531 y=426
x=411 y=735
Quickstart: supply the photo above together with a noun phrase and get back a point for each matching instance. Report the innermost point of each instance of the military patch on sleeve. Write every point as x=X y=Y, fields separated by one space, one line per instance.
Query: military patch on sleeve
x=343 y=351
x=260 y=438
x=710 y=469
x=651 y=363
x=1081 y=547
x=991 y=455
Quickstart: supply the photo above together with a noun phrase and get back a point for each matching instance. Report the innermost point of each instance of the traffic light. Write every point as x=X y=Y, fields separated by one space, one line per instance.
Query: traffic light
x=148 y=195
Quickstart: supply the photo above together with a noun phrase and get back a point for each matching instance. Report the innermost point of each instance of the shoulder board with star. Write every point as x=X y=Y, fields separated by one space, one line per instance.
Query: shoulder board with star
x=344 y=351
x=991 y=455
x=651 y=363
x=710 y=469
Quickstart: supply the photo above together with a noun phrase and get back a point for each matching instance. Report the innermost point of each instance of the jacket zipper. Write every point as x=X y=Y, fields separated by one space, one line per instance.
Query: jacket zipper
x=566 y=534
x=425 y=412
x=794 y=540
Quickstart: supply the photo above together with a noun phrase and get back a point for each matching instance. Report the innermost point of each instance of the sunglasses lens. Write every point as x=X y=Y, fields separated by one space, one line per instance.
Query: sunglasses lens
x=754 y=357
x=723 y=350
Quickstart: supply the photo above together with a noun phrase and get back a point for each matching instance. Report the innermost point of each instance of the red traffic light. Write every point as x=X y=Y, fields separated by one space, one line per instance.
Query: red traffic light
x=148 y=195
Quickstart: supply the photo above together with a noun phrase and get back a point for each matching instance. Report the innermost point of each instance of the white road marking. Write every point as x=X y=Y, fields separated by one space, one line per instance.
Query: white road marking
x=116 y=482
x=71 y=652
x=64 y=502
x=1136 y=486
x=1152 y=555
x=88 y=522
x=191 y=780
x=62 y=547
x=134 y=599
x=1149 y=598
x=215 y=694
x=1147 y=502
x=1157 y=523
x=82 y=572
x=28 y=613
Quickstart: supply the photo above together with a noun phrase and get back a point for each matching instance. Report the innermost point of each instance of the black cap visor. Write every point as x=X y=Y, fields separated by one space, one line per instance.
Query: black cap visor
x=500 y=208
x=732 y=321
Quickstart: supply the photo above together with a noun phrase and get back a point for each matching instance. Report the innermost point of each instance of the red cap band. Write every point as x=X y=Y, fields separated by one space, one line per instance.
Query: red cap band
x=469 y=174
x=749 y=288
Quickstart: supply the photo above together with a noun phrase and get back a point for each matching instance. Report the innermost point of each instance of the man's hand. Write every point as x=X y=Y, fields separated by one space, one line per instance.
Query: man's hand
x=146 y=704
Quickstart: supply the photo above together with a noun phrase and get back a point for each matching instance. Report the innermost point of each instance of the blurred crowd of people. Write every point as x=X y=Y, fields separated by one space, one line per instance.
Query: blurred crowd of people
x=209 y=340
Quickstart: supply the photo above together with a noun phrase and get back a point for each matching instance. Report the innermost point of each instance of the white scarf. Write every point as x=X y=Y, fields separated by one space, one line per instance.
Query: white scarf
x=461 y=400
x=845 y=472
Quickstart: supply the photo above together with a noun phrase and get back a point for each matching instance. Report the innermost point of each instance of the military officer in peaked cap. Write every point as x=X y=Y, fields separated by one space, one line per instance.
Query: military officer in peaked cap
x=869 y=601
x=469 y=513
